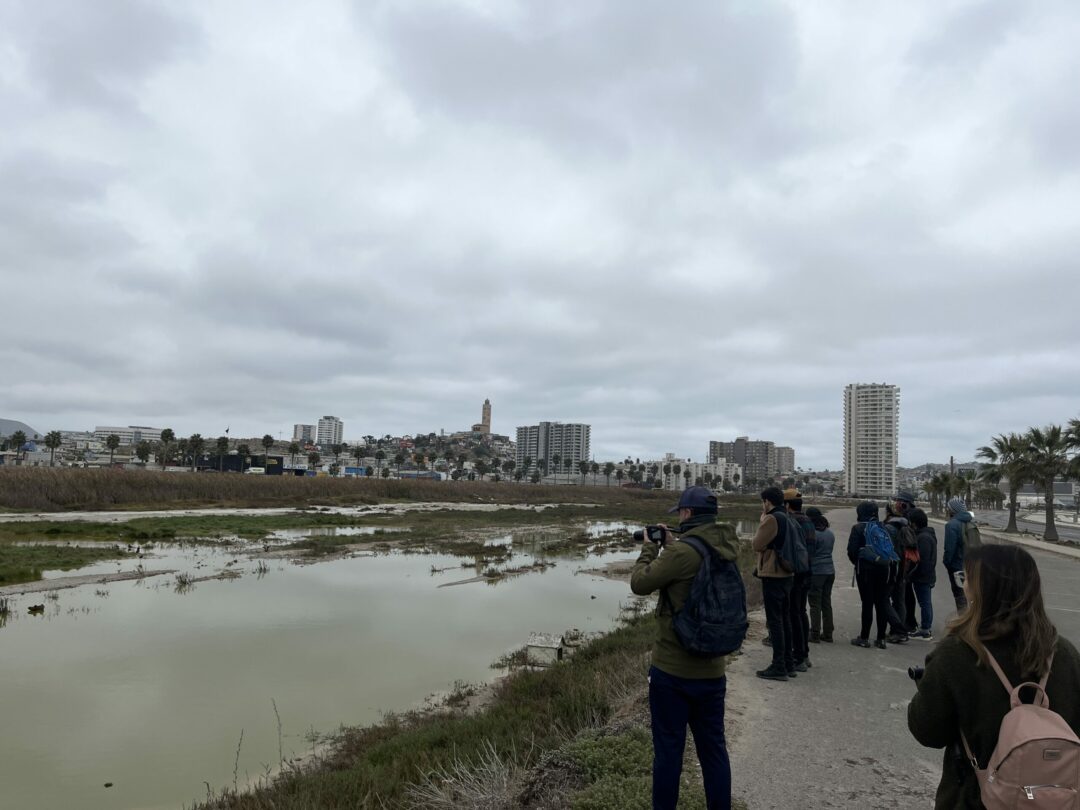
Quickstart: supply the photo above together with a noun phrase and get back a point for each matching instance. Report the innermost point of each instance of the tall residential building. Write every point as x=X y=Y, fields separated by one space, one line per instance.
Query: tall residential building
x=785 y=460
x=543 y=441
x=871 y=438
x=484 y=425
x=329 y=431
x=132 y=434
x=757 y=458
x=303 y=434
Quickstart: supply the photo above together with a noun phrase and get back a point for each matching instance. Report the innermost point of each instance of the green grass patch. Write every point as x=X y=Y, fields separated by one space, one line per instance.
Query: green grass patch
x=20 y=564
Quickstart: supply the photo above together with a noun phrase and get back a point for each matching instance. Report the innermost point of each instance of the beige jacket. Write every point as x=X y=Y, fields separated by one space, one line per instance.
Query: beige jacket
x=767 y=564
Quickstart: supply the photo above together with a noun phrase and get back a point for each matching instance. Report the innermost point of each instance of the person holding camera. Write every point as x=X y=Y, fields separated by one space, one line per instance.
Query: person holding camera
x=684 y=689
x=776 y=584
x=1003 y=637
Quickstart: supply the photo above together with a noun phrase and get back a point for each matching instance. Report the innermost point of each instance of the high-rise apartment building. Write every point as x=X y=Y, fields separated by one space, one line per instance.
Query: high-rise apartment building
x=757 y=458
x=785 y=460
x=303 y=434
x=871 y=438
x=329 y=431
x=543 y=441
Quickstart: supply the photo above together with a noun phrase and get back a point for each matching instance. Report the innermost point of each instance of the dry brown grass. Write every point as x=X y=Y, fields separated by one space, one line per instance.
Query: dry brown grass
x=57 y=489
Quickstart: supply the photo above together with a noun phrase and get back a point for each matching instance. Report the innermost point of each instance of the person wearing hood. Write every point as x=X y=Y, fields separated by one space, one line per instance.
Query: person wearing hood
x=953 y=555
x=924 y=577
x=685 y=689
x=902 y=535
x=822 y=578
x=873 y=580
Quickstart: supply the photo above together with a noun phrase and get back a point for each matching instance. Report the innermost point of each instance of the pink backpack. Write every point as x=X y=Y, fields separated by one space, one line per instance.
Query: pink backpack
x=1036 y=763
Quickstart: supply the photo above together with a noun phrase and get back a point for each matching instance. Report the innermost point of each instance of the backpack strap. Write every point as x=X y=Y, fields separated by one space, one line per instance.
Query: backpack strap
x=1014 y=696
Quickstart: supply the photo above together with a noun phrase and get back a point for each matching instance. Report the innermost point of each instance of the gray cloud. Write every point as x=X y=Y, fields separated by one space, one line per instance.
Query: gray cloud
x=678 y=225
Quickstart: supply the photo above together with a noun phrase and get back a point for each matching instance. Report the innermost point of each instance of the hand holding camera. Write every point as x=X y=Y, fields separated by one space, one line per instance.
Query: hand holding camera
x=654 y=534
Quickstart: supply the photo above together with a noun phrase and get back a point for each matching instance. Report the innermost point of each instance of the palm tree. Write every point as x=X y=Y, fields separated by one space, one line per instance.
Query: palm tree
x=609 y=468
x=167 y=438
x=359 y=452
x=418 y=459
x=1005 y=460
x=686 y=477
x=676 y=470
x=594 y=468
x=568 y=464
x=555 y=459
x=1047 y=455
x=196 y=443
x=16 y=442
x=294 y=448
x=526 y=465
x=245 y=455
x=182 y=450
x=619 y=475
x=112 y=441
x=735 y=479
x=336 y=450
x=267 y=443
x=541 y=465
x=481 y=468
x=508 y=467
x=313 y=460
x=583 y=469
x=667 y=472
x=53 y=440
x=222 y=445
x=380 y=455
x=399 y=459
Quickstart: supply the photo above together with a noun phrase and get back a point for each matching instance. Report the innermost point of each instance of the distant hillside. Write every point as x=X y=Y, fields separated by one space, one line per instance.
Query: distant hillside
x=9 y=426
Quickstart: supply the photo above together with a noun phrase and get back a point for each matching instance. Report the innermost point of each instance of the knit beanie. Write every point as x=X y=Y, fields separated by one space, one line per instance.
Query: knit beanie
x=956 y=506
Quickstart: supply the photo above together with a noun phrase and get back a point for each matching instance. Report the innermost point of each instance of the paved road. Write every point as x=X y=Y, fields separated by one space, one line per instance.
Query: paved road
x=837 y=736
x=1001 y=519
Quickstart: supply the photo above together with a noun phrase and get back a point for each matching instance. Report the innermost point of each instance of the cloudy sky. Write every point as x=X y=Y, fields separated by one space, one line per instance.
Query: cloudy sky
x=675 y=221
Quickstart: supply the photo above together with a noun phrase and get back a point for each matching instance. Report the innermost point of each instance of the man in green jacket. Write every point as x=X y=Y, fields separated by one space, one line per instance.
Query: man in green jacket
x=685 y=689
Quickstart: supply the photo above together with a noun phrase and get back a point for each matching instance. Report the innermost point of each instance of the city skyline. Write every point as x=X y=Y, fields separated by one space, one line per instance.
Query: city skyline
x=702 y=227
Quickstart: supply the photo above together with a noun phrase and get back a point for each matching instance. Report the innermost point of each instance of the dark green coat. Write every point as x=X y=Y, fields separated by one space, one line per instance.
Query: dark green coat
x=674 y=570
x=956 y=693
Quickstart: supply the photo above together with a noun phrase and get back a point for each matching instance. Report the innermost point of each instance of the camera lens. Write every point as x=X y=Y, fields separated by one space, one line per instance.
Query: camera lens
x=639 y=536
x=915 y=673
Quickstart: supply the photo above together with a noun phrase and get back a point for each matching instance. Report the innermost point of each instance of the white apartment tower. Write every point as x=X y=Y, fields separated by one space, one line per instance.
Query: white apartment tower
x=543 y=441
x=329 y=432
x=871 y=438
x=303 y=434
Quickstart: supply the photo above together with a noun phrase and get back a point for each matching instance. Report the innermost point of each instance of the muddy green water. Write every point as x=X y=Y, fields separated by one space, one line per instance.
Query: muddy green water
x=136 y=684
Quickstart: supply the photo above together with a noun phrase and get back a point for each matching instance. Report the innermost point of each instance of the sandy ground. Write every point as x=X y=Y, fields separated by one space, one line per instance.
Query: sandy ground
x=59 y=583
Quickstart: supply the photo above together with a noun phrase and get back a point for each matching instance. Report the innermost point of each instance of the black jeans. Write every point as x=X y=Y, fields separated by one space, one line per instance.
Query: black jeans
x=800 y=622
x=957 y=590
x=776 y=594
x=910 y=624
x=675 y=703
x=821 y=620
x=873 y=582
x=898 y=604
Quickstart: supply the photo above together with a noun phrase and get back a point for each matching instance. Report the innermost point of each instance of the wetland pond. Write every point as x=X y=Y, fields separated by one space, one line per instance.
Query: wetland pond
x=149 y=686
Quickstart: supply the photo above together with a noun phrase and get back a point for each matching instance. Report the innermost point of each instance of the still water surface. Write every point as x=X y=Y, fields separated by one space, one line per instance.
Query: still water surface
x=136 y=684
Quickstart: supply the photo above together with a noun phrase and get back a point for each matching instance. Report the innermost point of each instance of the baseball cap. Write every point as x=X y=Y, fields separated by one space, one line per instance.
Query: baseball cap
x=695 y=498
x=904 y=497
x=791 y=493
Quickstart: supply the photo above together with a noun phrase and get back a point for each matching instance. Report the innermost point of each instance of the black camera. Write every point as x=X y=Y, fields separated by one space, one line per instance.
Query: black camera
x=654 y=533
x=915 y=673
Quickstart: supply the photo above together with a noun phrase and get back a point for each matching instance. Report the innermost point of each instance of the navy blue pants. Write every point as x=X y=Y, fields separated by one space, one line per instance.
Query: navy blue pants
x=675 y=703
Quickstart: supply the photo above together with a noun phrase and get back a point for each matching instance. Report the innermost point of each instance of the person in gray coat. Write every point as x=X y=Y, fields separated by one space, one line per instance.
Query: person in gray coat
x=822 y=578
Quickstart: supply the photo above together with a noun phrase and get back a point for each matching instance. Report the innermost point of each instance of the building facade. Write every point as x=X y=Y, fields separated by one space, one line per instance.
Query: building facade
x=871 y=439
x=329 y=431
x=303 y=434
x=542 y=442
x=720 y=470
x=130 y=435
x=756 y=458
x=785 y=460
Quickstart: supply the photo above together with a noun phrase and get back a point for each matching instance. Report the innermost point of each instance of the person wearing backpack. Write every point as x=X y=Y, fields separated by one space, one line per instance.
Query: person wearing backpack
x=962 y=701
x=871 y=552
x=823 y=575
x=800 y=582
x=776 y=582
x=684 y=688
x=907 y=552
x=924 y=577
x=956 y=534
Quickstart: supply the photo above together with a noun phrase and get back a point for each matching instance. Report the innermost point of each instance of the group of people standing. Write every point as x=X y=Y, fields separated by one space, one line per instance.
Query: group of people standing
x=788 y=588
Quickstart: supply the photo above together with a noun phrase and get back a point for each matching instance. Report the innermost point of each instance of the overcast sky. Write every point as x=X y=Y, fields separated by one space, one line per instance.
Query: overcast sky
x=674 y=221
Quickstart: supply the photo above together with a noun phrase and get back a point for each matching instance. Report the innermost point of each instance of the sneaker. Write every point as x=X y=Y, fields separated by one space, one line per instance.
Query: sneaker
x=827 y=639
x=800 y=666
x=923 y=635
x=791 y=673
x=772 y=674
x=897 y=638
x=880 y=644
x=860 y=642
x=815 y=638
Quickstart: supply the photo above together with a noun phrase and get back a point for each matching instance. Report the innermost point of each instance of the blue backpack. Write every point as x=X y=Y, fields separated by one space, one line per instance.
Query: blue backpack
x=879 y=547
x=713 y=621
x=791 y=551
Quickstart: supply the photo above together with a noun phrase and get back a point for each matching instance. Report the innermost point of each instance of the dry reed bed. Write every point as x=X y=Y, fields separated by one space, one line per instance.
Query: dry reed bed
x=58 y=489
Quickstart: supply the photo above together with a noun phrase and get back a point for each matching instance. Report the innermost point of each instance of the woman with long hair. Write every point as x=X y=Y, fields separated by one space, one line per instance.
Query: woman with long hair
x=960 y=696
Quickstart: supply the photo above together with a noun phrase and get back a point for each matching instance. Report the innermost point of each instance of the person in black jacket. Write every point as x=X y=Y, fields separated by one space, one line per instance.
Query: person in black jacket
x=873 y=580
x=924 y=577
